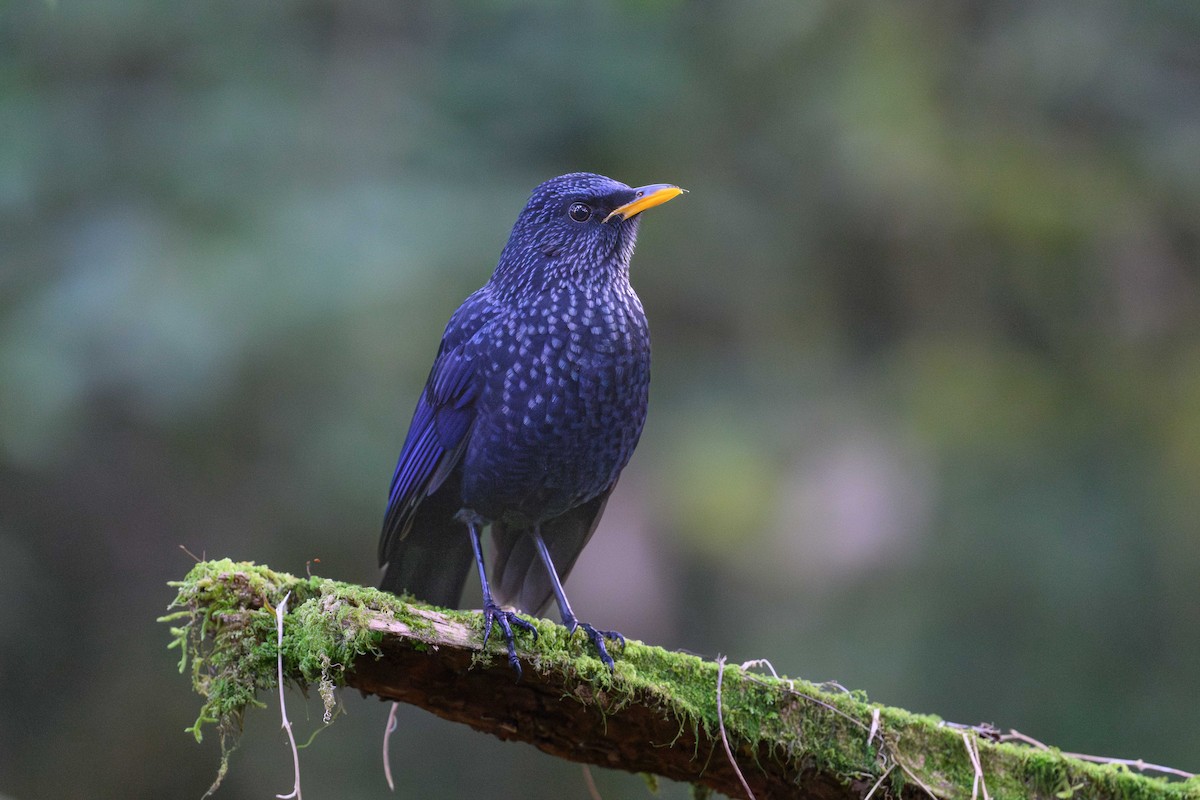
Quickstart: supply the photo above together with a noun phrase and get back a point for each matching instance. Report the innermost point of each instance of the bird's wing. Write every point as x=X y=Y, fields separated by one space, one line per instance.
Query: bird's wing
x=436 y=439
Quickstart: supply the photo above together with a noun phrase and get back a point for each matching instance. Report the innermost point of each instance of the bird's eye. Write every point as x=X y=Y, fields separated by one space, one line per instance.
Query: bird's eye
x=580 y=212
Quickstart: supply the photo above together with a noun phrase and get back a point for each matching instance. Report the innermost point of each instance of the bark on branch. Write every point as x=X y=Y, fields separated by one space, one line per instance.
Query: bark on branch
x=657 y=713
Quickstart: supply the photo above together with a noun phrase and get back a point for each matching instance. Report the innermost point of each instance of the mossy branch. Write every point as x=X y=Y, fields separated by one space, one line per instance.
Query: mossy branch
x=657 y=713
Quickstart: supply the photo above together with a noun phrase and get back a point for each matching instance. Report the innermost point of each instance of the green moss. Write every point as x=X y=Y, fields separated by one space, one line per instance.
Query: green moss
x=798 y=723
x=224 y=624
x=809 y=728
x=225 y=627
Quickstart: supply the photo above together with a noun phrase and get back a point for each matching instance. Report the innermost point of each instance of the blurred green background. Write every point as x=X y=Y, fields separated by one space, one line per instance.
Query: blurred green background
x=925 y=416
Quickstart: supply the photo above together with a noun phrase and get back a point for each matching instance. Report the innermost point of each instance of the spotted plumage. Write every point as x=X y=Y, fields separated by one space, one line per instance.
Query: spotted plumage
x=533 y=407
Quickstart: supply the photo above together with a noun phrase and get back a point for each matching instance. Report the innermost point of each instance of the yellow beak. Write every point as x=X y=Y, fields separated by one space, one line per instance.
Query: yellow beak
x=647 y=197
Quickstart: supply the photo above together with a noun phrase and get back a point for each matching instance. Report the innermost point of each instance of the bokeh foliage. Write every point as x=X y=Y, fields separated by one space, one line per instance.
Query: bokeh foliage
x=926 y=404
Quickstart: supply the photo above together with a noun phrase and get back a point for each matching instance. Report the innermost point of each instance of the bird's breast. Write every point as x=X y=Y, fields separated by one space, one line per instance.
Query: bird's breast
x=563 y=403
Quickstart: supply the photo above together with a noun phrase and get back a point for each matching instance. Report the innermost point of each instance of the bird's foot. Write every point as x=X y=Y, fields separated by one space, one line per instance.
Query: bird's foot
x=494 y=614
x=597 y=638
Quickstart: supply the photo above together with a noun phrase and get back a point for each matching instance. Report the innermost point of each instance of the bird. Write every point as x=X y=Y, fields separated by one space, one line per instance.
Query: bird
x=534 y=404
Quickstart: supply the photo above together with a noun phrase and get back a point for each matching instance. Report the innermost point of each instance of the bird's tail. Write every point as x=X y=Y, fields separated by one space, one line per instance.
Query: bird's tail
x=431 y=560
x=518 y=577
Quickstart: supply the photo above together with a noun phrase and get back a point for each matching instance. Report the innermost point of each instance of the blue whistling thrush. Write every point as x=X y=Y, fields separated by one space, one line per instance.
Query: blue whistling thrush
x=534 y=404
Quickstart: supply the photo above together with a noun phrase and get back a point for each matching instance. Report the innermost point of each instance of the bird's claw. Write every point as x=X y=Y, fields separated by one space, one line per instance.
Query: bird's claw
x=493 y=614
x=597 y=638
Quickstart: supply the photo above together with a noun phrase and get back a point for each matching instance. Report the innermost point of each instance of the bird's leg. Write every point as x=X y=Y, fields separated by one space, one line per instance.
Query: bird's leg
x=564 y=607
x=493 y=613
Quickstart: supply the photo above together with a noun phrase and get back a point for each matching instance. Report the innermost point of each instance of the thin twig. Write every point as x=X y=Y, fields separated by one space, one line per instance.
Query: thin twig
x=983 y=730
x=387 y=735
x=1136 y=763
x=916 y=780
x=762 y=662
x=721 y=725
x=880 y=781
x=287 y=723
x=593 y=792
x=973 y=754
x=1014 y=735
x=874 y=727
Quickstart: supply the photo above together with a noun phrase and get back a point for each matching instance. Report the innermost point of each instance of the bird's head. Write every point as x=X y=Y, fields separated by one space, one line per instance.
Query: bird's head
x=580 y=226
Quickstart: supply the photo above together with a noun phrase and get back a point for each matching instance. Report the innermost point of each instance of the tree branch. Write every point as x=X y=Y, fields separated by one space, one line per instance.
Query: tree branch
x=657 y=713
